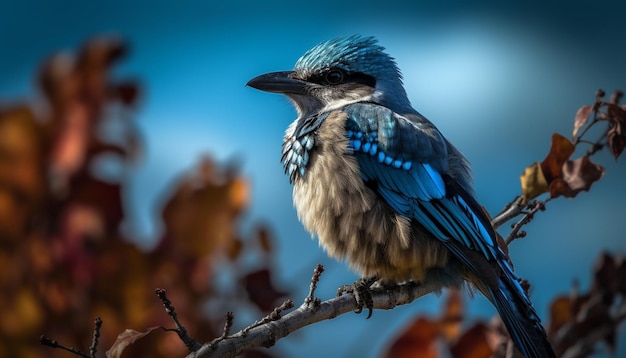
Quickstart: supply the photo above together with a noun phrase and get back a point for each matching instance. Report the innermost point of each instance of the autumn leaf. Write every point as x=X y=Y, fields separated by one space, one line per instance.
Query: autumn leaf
x=561 y=150
x=560 y=313
x=261 y=290
x=581 y=118
x=419 y=340
x=477 y=342
x=616 y=137
x=126 y=338
x=578 y=175
x=533 y=182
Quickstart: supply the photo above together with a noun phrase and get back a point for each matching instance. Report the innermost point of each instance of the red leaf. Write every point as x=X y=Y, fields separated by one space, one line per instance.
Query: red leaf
x=125 y=339
x=581 y=118
x=261 y=290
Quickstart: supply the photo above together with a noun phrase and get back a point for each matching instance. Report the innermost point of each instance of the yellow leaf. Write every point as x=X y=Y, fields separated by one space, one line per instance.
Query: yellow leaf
x=533 y=182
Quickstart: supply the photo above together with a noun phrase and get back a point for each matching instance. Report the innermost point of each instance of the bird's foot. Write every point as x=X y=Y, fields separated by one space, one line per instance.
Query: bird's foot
x=362 y=294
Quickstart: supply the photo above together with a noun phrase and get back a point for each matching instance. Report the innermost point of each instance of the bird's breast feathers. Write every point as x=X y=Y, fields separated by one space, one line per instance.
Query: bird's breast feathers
x=350 y=220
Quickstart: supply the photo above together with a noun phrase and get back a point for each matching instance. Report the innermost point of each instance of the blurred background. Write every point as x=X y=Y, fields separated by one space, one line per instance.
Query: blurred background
x=497 y=78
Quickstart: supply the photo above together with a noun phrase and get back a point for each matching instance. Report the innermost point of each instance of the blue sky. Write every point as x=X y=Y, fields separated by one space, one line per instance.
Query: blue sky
x=497 y=78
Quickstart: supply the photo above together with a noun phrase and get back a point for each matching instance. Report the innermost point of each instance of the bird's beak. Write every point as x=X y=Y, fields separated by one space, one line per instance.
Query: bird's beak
x=278 y=82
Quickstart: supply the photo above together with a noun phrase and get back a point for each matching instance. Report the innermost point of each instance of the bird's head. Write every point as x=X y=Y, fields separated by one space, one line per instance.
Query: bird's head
x=338 y=72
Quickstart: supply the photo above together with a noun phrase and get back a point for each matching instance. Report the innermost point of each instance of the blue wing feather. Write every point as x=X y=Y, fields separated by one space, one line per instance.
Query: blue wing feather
x=408 y=170
x=411 y=175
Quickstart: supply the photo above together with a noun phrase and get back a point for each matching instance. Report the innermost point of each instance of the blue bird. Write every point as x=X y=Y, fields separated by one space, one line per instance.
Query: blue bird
x=383 y=189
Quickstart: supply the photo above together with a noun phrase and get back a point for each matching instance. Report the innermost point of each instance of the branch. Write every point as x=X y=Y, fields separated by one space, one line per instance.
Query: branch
x=190 y=343
x=267 y=334
x=510 y=211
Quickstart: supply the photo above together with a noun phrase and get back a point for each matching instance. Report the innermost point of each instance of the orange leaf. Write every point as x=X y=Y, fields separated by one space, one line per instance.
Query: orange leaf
x=125 y=339
x=560 y=314
x=560 y=151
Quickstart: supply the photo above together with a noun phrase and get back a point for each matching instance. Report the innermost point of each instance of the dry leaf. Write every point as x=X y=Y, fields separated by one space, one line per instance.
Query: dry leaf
x=126 y=338
x=581 y=118
x=533 y=182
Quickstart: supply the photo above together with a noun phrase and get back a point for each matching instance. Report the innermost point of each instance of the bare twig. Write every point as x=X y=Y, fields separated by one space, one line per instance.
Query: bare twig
x=529 y=215
x=54 y=344
x=310 y=298
x=190 y=343
x=93 y=349
x=228 y=324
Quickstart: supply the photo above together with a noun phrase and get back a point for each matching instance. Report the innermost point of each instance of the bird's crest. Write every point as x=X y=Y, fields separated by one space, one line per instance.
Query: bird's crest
x=352 y=54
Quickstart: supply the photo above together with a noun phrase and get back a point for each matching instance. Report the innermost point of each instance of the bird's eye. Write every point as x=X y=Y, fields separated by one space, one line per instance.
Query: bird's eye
x=334 y=77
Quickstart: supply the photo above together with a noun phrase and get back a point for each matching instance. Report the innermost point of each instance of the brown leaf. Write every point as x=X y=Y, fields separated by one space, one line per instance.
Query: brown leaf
x=560 y=151
x=418 y=340
x=533 y=182
x=560 y=314
x=125 y=339
x=578 y=175
x=581 y=118
x=261 y=290
x=477 y=342
x=616 y=138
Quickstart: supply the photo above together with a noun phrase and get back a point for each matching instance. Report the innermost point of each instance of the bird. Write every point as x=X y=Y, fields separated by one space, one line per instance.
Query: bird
x=382 y=188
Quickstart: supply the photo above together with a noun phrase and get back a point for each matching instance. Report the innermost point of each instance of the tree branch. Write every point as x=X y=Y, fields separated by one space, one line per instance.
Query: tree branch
x=267 y=334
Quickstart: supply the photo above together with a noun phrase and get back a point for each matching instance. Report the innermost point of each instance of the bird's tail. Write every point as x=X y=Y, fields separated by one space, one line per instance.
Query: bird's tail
x=520 y=317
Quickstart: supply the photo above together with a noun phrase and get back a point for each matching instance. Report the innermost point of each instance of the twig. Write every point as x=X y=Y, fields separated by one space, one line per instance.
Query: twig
x=511 y=210
x=310 y=299
x=190 y=343
x=54 y=344
x=93 y=349
x=533 y=208
x=228 y=324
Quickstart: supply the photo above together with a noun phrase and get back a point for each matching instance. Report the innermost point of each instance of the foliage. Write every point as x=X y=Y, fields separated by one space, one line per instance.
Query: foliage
x=64 y=256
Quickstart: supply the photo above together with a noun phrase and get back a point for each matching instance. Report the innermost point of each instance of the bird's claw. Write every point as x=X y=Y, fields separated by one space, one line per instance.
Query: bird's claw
x=362 y=294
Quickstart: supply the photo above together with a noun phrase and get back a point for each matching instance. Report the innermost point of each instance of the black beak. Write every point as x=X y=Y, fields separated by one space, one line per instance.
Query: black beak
x=278 y=82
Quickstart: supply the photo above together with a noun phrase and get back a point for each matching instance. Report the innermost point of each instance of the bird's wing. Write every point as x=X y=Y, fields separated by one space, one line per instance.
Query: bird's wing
x=405 y=160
